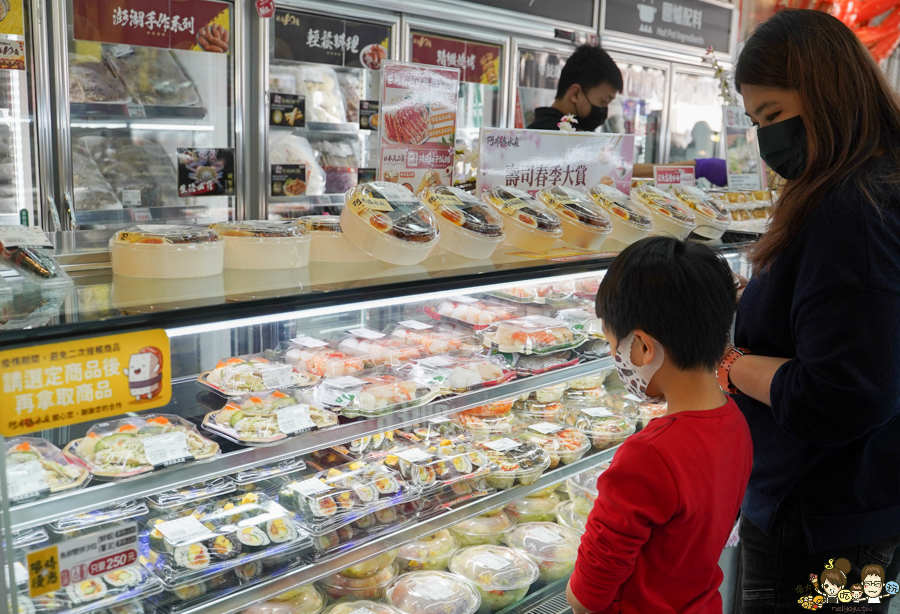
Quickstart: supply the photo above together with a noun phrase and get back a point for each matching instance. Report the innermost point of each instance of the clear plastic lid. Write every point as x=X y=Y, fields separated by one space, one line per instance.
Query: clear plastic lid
x=371 y=565
x=533 y=335
x=623 y=403
x=514 y=458
x=605 y=428
x=439 y=431
x=536 y=364
x=518 y=294
x=132 y=446
x=545 y=541
x=36 y=468
x=339 y=586
x=362 y=606
x=433 y=592
x=584 y=320
x=434 y=340
x=321 y=223
x=621 y=207
x=649 y=411
x=378 y=444
x=392 y=210
x=267 y=419
x=308 y=599
x=323 y=358
x=90 y=596
x=550 y=394
x=534 y=509
x=177 y=498
x=534 y=411
x=438 y=465
x=254 y=373
x=380 y=349
x=462 y=209
x=706 y=208
x=164 y=234
x=493 y=408
x=588 y=382
x=568 y=516
x=524 y=210
x=574 y=206
x=94 y=518
x=663 y=204
x=495 y=522
x=582 y=488
x=363 y=529
x=494 y=568
x=29 y=251
x=561 y=443
x=378 y=395
x=459 y=374
x=587 y=288
x=470 y=312
x=428 y=553
x=260 y=229
x=486 y=426
x=30 y=537
x=264 y=472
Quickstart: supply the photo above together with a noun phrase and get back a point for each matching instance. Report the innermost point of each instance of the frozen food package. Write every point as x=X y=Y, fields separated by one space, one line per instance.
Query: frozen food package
x=350 y=88
x=90 y=80
x=28 y=251
x=284 y=78
x=36 y=468
x=92 y=190
x=141 y=173
x=287 y=148
x=152 y=75
x=339 y=161
x=324 y=102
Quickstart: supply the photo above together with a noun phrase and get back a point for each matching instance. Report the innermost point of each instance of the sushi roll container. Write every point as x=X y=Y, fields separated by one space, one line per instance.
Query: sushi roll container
x=115 y=588
x=246 y=479
x=361 y=530
x=439 y=465
x=180 y=498
x=71 y=526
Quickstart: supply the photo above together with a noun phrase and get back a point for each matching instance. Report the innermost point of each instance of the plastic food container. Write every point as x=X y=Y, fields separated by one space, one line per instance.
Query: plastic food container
x=328 y=243
x=533 y=335
x=431 y=553
x=587 y=382
x=458 y=375
x=339 y=586
x=433 y=592
x=583 y=320
x=529 y=224
x=371 y=565
x=517 y=463
x=179 y=498
x=253 y=373
x=631 y=220
x=670 y=217
x=321 y=358
x=534 y=509
x=218 y=536
x=568 y=516
x=550 y=394
x=488 y=528
x=582 y=488
x=252 y=475
x=623 y=403
x=264 y=244
x=487 y=428
x=33 y=259
x=378 y=444
x=384 y=394
x=587 y=288
x=535 y=364
x=468 y=227
x=378 y=349
x=307 y=599
x=470 y=312
x=502 y=575
x=361 y=530
x=713 y=217
x=552 y=547
x=563 y=444
x=587 y=396
x=434 y=341
x=649 y=411
x=585 y=224
x=267 y=419
x=494 y=408
x=365 y=605
x=439 y=465
x=36 y=468
x=30 y=537
x=131 y=446
x=72 y=526
x=532 y=411
x=605 y=428
x=387 y=222
x=163 y=251
x=438 y=431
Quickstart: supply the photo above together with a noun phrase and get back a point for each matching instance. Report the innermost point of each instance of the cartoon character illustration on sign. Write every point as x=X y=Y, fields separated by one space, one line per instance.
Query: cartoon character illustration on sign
x=873 y=583
x=145 y=373
x=832 y=580
x=857 y=592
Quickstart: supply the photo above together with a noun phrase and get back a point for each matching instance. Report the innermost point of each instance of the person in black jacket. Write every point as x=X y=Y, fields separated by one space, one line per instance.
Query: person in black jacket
x=819 y=376
x=588 y=83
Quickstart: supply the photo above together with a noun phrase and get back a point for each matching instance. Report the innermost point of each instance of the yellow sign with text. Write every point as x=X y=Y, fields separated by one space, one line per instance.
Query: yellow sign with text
x=12 y=18
x=56 y=384
x=43 y=571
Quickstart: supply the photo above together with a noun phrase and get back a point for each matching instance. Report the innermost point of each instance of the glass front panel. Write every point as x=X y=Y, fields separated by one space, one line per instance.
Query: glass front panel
x=638 y=110
x=695 y=117
x=538 y=77
x=152 y=114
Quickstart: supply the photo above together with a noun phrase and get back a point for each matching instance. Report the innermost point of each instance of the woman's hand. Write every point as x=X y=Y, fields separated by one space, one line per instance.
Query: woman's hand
x=740 y=282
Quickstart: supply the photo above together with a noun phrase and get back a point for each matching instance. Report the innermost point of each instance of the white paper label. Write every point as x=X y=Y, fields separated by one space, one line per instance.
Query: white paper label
x=546 y=428
x=308 y=342
x=131 y=198
x=596 y=412
x=439 y=419
x=183 y=530
x=336 y=398
x=545 y=535
x=23 y=236
x=141 y=215
x=311 y=487
x=415 y=325
x=345 y=382
x=167 y=449
x=631 y=397
x=436 y=361
x=135 y=110
x=465 y=300
x=366 y=333
x=20 y=573
x=434 y=591
x=491 y=561
x=293 y=419
x=25 y=480
x=277 y=376
x=94 y=554
x=502 y=445
x=414 y=455
x=120 y=51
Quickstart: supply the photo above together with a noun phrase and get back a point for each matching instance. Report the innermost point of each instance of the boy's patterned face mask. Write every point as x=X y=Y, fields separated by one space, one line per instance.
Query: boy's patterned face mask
x=635 y=378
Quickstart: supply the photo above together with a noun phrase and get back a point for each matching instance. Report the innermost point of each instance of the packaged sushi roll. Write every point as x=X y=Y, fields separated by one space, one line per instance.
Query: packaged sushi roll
x=517 y=463
x=252 y=373
x=267 y=419
x=529 y=224
x=36 y=468
x=31 y=255
x=378 y=444
x=631 y=220
x=670 y=216
x=532 y=335
x=605 y=428
x=468 y=227
x=179 y=498
x=30 y=537
x=467 y=311
x=438 y=431
x=264 y=244
x=562 y=444
x=713 y=216
x=459 y=374
x=70 y=526
x=112 y=589
x=381 y=393
x=438 y=465
x=585 y=224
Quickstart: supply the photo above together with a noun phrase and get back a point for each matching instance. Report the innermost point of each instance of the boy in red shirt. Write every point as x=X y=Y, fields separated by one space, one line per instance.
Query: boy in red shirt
x=669 y=500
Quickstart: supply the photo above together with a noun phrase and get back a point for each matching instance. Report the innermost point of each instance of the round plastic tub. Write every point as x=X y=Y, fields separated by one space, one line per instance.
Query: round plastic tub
x=328 y=243
x=582 y=488
x=529 y=224
x=339 y=586
x=387 y=222
x=372 y=606
x=552 y=547
x=502 y=575
x=713 y=217
x=264 y=244
x=585 y=224
x=468 y=227
x=586 y=382
x=631 y=221
x=433 y=592
x=568 y=516
x=649 y=411
x=670 y=217
x=534 y=509
x=431 y=553
x=166 y=252
x=550 y=394
x=605 y=428
x=532 y=411
x=485 y=529
x=307 y=599
x=371 y=565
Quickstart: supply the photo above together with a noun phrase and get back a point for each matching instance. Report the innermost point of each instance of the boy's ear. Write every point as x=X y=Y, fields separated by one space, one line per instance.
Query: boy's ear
x=643 y=350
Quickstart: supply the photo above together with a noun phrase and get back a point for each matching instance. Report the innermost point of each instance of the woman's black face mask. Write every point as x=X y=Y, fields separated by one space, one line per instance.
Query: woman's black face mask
x=782 y=147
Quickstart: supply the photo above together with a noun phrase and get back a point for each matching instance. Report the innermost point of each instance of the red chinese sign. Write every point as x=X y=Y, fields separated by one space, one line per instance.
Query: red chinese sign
x=477 y=62
x=194 y=25
x=265 y=8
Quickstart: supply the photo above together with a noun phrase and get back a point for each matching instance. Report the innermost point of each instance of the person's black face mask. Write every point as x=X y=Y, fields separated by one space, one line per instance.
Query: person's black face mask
x=782 y=147
x=594 y=120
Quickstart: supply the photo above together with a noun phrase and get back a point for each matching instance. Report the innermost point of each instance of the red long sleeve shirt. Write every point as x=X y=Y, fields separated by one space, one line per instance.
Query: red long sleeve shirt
x=665 y=509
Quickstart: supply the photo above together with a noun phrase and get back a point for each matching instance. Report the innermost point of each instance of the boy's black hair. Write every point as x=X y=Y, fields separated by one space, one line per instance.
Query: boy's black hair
x=589 y=66
x=681 y=294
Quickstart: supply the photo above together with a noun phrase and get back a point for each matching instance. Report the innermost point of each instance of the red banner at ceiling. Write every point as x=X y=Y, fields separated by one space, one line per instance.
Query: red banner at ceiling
x=478 y=62
x=195 y=25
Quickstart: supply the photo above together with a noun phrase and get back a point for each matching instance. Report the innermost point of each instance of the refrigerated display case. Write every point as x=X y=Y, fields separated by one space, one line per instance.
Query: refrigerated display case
x=695 y=115
x=538 y=66
x=641 y=108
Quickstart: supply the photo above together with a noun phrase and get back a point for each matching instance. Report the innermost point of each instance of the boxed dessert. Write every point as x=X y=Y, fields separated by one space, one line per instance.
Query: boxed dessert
x=585 y=224
x=529 y=224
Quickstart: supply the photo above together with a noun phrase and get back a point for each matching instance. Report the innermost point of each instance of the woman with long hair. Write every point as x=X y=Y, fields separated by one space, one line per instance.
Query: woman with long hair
x=817 y=363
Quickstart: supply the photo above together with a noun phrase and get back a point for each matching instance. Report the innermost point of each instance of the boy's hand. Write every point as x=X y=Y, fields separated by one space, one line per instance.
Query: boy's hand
x=740 y=282
x=576 y=606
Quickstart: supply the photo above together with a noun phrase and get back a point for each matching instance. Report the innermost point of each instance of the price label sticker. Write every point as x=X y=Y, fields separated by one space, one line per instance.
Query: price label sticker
x=345 y=382
x=141 y=215
x=436 y=361
x=308 y=342
x=26 y=480
x=415 y=324
x=167 y=449
x=491 y=561
x=277 y=376
x=434 y=591
x=360 y=204
x=465 y=300
x=596 y=412
x=23 y=236
x=439 y=419
x=503 y=445
x=294 y=419
x=631 y=397
x=131 y=198
x=183 y=530
x=546 y=428
x=135 y=110
x=311 y=487
x=543 y=534
x=415 y=455
x=366 y=333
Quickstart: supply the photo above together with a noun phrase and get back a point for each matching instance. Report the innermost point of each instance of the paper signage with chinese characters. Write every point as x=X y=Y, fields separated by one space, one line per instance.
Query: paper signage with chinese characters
x=12 y=35
x=302 y=37
x=418 y=124
x=667 y=177
x=57 y=384
x=77 y=559
x=533 y=159
x=205 y=172
x=743 y=164
x=477 y=62
x=199 y=25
